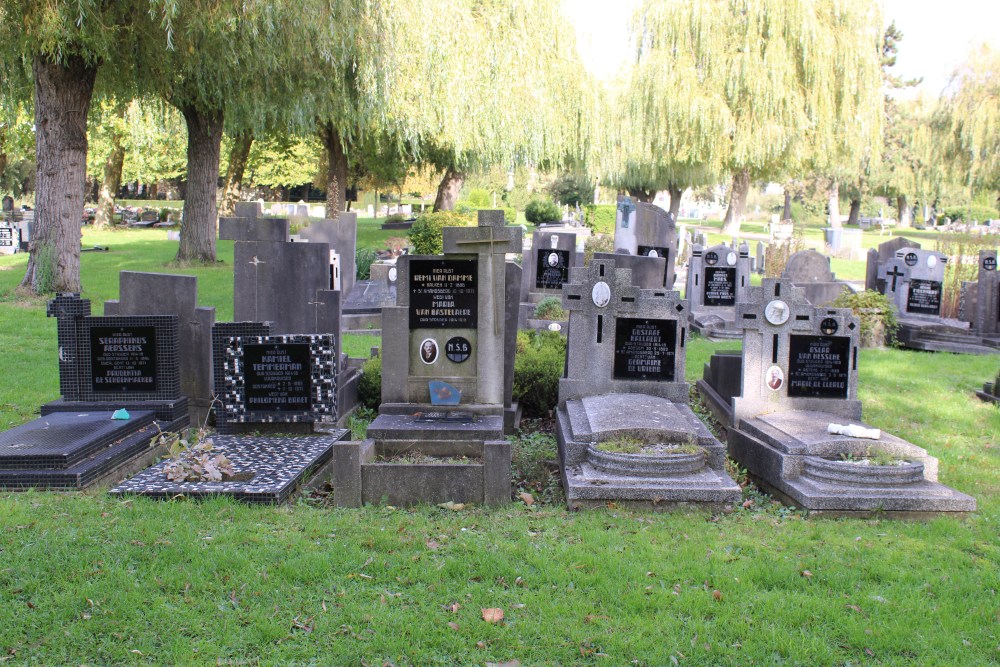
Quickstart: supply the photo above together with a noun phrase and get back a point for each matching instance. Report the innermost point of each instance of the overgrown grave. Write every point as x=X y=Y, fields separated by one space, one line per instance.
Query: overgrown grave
x=120 y=386
x=717 y=280
x=789 y=402
x=625 y=431
x=546 y=266
x=913 y=279
x=445 y=364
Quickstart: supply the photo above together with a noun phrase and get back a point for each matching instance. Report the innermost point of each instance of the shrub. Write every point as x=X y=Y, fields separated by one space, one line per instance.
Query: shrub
x=876 y=313
x=509 y=215
x=363 y=260
x=396 y=217
x=538 y=365
x=550 y=308
x=370 y=384
x=572 y=189
x=599 y=243
x=969 y=213
x=477 y=198
x=600 y=218
x=542 y=210
x=425 y=234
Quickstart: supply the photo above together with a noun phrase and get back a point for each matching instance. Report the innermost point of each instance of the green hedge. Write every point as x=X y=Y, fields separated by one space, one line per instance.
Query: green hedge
x=969 y=213
x=370 y=384
x=600 y=218
x=426 y=233
x=538 y=365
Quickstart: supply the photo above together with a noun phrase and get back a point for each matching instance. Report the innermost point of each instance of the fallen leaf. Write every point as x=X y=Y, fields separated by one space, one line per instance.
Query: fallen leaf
x=528 y=499
x=453 y=625
x=493 y=615
x=869 y=652
x=454 y=507
x=854 y=607
x=717 y=594
x=481 y=645
x=747 y=504
x=509 y=663
x=431 y=544
x=519 y=582
x=806 y=573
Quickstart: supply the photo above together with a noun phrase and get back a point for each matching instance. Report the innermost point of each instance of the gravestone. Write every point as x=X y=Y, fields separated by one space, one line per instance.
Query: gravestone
x=249 y=224
x=341 y=235
x=164 y=294
x=546 y=269
x=443 y=378
x=717 y=279
x=10 y=238
x=625 y=431
x=810 y=271
x=120 y=383
x=986 y=314
x=877 y=257
x=646 y=231
x=798 y=375
x=913 y=279
x=362 y=311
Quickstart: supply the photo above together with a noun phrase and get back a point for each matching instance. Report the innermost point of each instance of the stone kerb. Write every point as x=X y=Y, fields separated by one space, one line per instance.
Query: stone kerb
x=796 y=356
x=603 y=303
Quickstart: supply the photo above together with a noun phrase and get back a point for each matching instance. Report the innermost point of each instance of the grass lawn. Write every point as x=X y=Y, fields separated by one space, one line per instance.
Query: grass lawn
x=87 y=579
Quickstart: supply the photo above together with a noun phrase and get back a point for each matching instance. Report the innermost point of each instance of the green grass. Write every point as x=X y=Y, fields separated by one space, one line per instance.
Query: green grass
x=85 y=578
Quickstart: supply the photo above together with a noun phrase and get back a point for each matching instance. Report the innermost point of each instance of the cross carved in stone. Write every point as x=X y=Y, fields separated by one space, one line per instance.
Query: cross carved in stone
x=895 y=273
x=603 y=291
x=491 y=235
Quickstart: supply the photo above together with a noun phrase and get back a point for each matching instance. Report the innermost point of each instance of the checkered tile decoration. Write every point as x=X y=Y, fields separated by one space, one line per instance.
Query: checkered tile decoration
x=323 y=357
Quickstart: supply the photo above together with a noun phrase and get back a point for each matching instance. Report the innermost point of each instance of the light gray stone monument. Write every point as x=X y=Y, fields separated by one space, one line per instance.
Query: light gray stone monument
x=10 y=238
x=625 y=431
x=810 y=271
x=443 y=378
x=799 y=377
x=249 y=224
x=647 y=236
x=717 y=279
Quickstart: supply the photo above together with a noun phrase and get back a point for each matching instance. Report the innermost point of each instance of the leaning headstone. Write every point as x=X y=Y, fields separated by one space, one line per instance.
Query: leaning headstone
x=120 y=383
x=163 y=294
x=443 y=379
x=546 y=269
x=717 y=279
x=625 y=431
x=810 y=271
x=795 y=424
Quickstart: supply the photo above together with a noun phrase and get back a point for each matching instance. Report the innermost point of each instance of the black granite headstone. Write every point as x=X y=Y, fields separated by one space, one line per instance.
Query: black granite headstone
x=645 y=349
x=924 y=297
x=818 y=366
x=443 y=294
x=552 y=268
x=720 y=286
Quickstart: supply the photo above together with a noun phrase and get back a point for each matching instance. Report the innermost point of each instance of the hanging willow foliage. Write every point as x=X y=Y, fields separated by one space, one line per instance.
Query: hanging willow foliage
x=766 y=86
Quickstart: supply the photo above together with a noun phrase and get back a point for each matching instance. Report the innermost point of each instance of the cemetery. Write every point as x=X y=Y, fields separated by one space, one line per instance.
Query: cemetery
x=499 y=333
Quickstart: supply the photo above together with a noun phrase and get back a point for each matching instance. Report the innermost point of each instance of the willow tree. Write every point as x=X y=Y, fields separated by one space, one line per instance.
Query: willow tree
x=969 y=121
x=503 y=86
x=762 y=87
x=59 y=46
x=106 y=156
x=235 y=61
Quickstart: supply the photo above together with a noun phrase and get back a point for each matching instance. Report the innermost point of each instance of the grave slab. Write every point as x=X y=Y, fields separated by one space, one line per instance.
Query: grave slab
x=279 y=465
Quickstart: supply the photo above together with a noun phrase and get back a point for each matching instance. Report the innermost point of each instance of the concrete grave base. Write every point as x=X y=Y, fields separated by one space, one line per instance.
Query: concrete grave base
x=71 y=451
x=664 y=480
x=990 y=392
x=279 y=465
x=360 y=478
x=812 y=469
x=945 y=335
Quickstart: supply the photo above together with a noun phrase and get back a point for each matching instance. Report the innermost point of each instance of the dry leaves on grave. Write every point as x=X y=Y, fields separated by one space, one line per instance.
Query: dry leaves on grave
x=493 y=615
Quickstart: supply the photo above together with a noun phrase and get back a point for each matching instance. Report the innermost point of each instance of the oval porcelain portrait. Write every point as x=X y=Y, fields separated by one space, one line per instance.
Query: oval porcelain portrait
x=428 y=350
x=775 y=377
x=601 y=294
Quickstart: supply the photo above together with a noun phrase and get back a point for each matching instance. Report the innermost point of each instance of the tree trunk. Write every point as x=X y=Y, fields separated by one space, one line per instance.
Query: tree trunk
x=786 y=211
x=336 y=175
x=62 y=99
x=903 y=207
x=676 y=193
x=737 y=203
x=833 y=204
x=447 y=194
x=855 y=214
x=110 y=184
x=641 y=194
x=238 y=155
x=198 y=228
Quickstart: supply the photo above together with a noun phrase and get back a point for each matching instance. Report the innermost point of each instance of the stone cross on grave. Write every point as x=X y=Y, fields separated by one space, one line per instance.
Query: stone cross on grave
x=622 y=339
x=895 y=273
x=796 y=356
